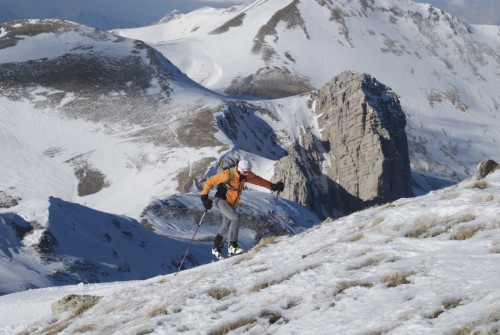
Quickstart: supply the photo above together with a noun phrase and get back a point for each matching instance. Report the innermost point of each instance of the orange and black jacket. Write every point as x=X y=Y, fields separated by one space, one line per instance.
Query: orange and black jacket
x=231 y=191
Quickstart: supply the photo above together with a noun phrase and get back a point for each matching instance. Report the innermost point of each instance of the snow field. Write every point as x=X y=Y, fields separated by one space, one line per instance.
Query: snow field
x=378 y=270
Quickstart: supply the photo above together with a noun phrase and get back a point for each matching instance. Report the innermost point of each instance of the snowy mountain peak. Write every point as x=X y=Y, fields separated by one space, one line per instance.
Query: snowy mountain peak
x=169 y=17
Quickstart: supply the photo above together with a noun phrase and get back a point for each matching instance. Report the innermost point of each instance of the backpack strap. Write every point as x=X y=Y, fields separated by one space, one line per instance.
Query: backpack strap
x=231 y=175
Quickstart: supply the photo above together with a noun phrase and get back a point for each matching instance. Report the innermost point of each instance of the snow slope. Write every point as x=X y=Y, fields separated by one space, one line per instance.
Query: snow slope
x=77 y=244
x=426 y=265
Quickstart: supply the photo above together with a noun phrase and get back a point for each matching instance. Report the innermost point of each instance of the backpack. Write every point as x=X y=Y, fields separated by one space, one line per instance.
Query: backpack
x=225 y=163
x=228 y=163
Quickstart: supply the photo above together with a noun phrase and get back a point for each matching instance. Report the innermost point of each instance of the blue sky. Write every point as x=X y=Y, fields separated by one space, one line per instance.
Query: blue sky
x=109 y=14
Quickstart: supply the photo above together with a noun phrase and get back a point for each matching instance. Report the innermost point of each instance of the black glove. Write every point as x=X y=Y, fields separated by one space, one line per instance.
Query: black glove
x=206 y=202
x=279 y=186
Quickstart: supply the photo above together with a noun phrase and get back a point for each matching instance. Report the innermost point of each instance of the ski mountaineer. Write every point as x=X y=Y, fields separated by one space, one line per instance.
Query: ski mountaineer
x=227 y=197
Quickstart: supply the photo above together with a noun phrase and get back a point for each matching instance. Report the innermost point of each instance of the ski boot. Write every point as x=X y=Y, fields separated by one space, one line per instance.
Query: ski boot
x=233 y=249
x=217 y=252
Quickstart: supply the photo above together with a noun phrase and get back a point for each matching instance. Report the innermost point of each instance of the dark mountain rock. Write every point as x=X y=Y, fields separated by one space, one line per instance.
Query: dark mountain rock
x=270 y=83
x=486 y=167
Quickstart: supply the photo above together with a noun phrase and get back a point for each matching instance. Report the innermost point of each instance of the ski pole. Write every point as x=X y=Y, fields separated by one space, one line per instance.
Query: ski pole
x=274 y=208
x=190 y=242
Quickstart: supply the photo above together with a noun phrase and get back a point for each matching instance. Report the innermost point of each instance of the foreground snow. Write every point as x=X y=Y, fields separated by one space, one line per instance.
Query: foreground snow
x=427 y=265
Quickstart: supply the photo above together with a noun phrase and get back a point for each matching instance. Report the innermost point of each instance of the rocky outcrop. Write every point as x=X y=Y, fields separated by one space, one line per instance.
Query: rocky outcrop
x=486 y=167
x=361 y=156
x=74 y=303
x=270 y=83
x=7 y=200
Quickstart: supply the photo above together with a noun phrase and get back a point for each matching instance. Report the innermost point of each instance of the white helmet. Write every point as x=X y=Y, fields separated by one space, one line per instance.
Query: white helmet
x=244 y=166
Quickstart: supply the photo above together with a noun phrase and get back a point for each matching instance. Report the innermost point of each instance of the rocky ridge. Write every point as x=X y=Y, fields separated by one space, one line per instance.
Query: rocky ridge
x=360 y=159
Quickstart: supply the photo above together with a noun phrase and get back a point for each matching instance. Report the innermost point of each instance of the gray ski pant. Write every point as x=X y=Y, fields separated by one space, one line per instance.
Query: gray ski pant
x=230 y=226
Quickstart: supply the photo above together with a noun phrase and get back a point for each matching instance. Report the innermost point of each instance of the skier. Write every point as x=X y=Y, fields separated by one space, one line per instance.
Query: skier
x=229 y=188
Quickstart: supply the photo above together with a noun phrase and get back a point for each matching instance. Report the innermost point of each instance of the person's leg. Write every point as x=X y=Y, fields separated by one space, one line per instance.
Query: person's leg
x=222 y=233
x=219 y=241
x=230 y=226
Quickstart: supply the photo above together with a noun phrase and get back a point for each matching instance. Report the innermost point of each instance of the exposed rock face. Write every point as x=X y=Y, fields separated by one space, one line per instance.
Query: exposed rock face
x=361 y=158
x=486 y=167
x=7 y=200
x=270 y=83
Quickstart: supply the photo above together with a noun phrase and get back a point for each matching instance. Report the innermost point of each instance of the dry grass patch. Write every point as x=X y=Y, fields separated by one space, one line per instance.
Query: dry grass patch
x=309 y=267
x=416 y=232
x=435 y=314
x=234 y=325
x=272 y=317
x=316 y=251
x=377 y=221
x=265 y=242
x=446 y=305
x=396 y=279
x=421 y=226
x=292 y=303
x=489 y=197
x=481 y=184
x=84 y=329
x=368 y=262
x=160 y=310
x=162 y=281
x=220 y=293
x=464 y=233
x=432 y=226
x=260 y=286
x=451 y=303
x=82 y=308
x=242 y=258
x=471 y=329
x=488 y=325
x=75 y=303
x=363 y=252
x=55 y=328
x=355 y=238
x=145 y=331
x=449 y=195
x=343 y=286
x=465 y=218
